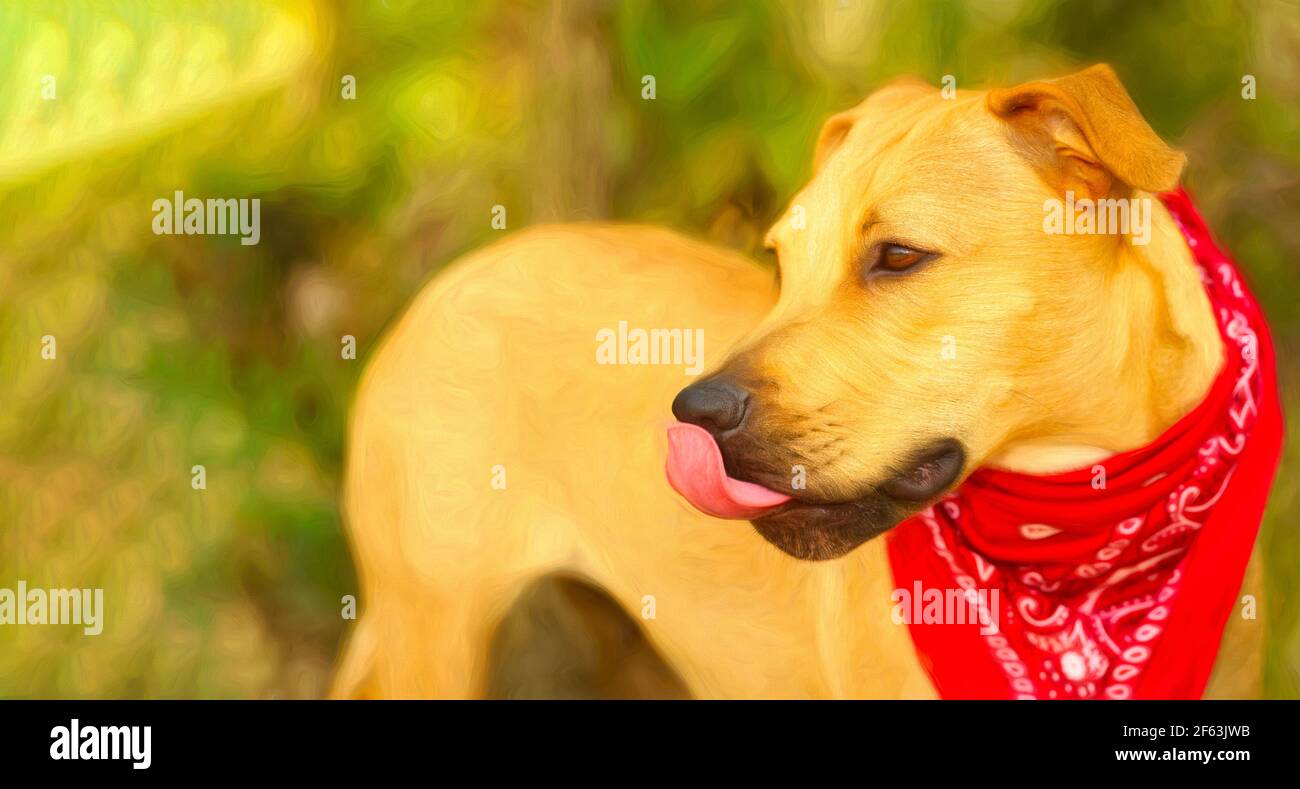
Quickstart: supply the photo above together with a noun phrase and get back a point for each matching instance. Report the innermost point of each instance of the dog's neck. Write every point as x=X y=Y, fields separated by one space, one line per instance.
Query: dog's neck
x=1169 y=352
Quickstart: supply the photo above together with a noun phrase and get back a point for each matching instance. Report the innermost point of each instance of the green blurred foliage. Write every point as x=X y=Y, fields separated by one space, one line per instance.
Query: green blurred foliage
x=180 y=350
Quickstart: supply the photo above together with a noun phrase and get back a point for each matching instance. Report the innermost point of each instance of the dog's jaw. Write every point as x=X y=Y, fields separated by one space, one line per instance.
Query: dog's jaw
x=817 y=532
x=820 y=531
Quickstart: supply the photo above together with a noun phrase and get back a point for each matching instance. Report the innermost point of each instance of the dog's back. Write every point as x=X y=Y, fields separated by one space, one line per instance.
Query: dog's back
x=488 y=439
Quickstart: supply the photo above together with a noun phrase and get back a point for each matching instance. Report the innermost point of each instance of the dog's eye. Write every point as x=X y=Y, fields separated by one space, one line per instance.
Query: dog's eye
x=898 y=258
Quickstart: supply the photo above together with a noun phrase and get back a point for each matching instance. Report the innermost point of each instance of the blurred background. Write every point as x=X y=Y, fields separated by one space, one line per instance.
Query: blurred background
x=181 y=350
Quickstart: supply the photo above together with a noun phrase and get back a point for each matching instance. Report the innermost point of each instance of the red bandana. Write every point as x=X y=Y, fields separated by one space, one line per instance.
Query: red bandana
x=1119 y=591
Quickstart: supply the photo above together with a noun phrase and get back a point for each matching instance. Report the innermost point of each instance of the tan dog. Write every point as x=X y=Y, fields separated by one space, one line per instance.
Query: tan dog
x=490 y=448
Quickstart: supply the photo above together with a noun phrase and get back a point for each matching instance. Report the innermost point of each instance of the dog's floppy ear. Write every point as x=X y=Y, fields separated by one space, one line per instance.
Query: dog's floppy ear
x=833 y=132
x=1083 y=132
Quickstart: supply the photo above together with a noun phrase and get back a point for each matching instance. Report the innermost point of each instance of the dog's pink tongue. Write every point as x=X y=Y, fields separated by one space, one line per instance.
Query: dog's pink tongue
x=695 y=471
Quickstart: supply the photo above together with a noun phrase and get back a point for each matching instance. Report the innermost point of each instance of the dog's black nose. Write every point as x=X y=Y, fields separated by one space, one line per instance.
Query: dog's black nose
x=716 y=405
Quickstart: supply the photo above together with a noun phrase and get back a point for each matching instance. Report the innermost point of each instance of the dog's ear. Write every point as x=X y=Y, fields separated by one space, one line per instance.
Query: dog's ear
x=832 y=135
x=892 y=94
x=1083 y=132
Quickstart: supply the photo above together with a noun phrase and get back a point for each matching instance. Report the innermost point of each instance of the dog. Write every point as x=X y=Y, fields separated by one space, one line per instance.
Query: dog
x=505 y=497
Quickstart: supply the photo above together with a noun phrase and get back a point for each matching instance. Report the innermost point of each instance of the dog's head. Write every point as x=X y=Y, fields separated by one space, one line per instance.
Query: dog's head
x=926 y=319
